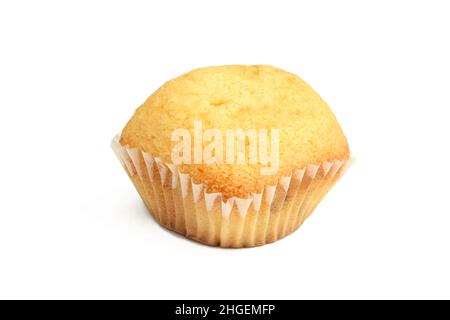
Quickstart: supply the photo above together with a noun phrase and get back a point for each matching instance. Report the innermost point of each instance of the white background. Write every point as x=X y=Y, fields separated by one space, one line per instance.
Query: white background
x=72 y=73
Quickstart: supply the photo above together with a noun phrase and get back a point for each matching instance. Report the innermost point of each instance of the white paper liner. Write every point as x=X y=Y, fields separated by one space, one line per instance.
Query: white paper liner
x=174 y=199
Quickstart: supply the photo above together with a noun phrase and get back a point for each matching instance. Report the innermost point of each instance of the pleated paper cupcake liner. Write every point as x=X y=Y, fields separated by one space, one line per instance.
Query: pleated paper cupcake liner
x=181 y=205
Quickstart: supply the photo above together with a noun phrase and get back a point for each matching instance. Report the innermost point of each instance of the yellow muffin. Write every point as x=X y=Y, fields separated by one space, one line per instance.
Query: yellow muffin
x=234 y=204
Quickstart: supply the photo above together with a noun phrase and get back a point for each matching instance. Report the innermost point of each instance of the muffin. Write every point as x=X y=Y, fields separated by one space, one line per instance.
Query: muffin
x=233 y=156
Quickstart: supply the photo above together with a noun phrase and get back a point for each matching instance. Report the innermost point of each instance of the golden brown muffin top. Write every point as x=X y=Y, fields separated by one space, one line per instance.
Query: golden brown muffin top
x=246 y=97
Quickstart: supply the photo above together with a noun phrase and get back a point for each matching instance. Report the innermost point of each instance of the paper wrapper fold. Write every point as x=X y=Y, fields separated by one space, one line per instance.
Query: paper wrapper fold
x=179 y=204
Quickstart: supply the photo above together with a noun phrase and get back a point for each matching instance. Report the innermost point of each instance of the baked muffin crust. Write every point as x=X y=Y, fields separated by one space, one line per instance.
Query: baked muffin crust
x=245 y=97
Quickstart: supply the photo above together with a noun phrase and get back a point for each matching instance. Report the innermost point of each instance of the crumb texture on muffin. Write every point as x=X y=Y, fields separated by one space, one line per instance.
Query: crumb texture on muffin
x=246 y=97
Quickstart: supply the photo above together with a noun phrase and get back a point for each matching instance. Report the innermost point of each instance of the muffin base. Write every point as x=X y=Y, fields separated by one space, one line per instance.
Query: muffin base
x=186 y=208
